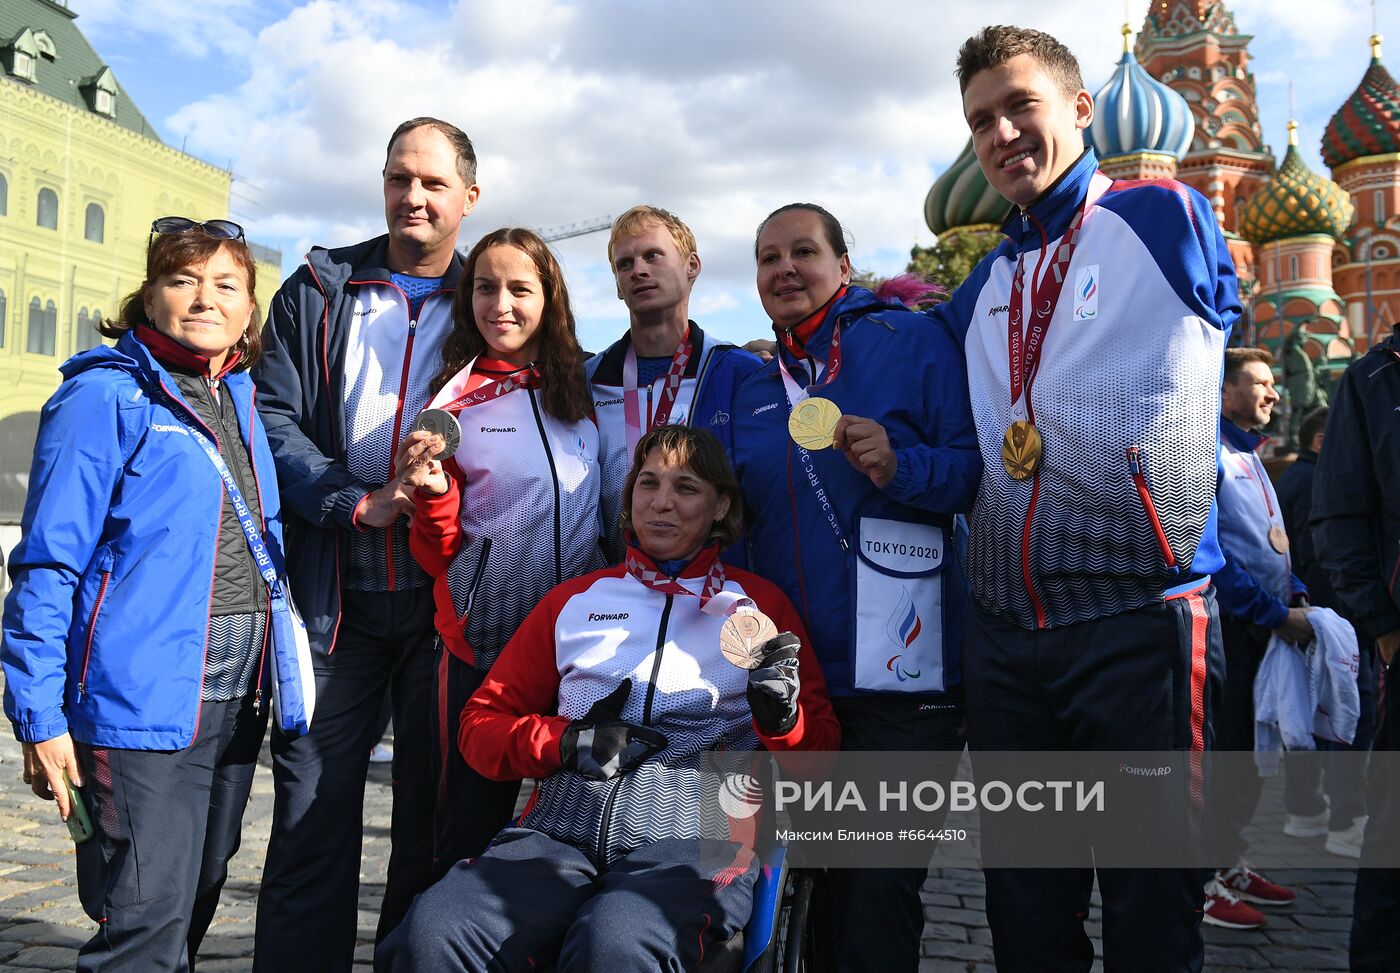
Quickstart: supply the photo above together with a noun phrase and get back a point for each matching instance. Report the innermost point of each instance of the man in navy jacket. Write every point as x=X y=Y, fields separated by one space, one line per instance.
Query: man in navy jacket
x=353 y=339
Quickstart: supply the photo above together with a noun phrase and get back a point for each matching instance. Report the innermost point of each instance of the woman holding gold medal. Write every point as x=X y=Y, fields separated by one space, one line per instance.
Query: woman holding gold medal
x=615 y=693
x=855 y=447
x=505 y=462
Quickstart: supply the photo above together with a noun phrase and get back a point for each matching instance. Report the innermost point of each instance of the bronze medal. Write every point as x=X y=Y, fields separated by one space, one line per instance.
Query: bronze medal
x=744 y=635
x=1021 y=450
x=1278 y=539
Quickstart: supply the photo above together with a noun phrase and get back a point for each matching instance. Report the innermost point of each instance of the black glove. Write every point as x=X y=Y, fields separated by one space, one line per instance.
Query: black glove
x=602 y=745
x=773 y=685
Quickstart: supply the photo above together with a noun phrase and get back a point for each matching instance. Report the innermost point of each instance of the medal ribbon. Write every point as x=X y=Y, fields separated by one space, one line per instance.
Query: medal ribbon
x=1025 y=345
x=631 y=398
x=714 y=600
x=454 y=397
x=795 y=394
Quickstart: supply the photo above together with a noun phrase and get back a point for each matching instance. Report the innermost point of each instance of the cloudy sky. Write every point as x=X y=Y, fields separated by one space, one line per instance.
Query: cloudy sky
x=719 y=110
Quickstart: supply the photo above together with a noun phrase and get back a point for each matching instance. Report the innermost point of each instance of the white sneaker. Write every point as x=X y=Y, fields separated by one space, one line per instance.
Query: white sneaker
x=1307 y=825
x=1347 y=844
x=382 y=753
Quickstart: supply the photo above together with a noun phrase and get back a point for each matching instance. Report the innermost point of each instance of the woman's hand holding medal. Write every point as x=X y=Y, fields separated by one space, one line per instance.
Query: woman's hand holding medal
x=867 y=447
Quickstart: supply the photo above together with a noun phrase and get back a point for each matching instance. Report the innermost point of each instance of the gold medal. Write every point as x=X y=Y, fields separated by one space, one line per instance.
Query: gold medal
x=1021 y=450
x=812 y=423
x=744 y=635
x=1278 y=539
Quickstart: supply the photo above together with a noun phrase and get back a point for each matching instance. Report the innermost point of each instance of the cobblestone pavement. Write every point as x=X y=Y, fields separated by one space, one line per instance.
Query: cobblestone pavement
x=42 y=925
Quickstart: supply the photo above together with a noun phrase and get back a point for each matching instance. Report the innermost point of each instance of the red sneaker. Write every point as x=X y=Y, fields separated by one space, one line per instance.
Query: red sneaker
x=1224 y=908
x=1253 y=887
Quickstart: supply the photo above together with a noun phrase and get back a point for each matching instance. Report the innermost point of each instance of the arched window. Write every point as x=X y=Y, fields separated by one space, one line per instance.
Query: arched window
x=3 y=308
x=1293 y=268
x=48 y=209
x=94 y=223
x=4 y=195
x=86 y=335
x=1379 y=216
x=43 y=324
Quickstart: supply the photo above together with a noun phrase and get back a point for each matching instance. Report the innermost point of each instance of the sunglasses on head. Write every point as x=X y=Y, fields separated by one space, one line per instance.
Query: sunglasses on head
x=220 y=229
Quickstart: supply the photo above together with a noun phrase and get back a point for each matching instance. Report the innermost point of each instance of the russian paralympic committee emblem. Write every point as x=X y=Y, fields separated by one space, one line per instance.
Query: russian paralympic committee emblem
x=903 y=628
x=1086 y=293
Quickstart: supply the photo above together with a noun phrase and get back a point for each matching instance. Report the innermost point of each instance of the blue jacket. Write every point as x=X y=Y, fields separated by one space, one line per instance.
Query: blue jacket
x=1256 y=582
x=1127 y=399
x=905 y=372
x=704 y=402
x=107 y=625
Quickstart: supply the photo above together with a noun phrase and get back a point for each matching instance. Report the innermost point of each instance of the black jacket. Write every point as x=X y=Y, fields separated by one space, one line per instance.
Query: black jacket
x=1294 y=489
x=300 y=399
x=1356 y=491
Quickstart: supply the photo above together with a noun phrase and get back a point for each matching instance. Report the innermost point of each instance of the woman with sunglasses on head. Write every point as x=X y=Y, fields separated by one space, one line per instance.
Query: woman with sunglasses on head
x=147 y=622
x=855 y=447
x=508 y=511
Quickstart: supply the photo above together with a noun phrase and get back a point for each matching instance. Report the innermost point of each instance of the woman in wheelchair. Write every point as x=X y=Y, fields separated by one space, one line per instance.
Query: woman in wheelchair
x=615 y=695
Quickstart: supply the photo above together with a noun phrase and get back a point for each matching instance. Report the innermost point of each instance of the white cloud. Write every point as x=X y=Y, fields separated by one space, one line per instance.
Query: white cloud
x=719 y=111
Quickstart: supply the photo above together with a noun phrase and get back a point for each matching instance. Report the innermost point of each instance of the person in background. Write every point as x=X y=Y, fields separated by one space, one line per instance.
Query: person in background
x=1341 y=817
x=896 y=467
x=614 y=694
x=353 y=339
x=1260 y=596
x=1356 y=532
x=513 y=511
x=664 y=370
x=137 y=654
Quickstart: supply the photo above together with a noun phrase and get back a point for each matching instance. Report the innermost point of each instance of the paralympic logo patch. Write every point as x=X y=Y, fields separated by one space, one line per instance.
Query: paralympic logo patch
x=1086 y=293
x=903 y=629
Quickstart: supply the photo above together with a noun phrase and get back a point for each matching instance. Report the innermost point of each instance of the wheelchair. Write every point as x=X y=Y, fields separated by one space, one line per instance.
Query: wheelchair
x=778 y=935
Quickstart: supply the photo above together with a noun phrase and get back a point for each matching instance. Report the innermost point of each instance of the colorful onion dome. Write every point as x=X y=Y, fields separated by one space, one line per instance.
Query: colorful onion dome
x=1368 y=123
x=1295 y=202
x=1134 y=112
x=963 y=197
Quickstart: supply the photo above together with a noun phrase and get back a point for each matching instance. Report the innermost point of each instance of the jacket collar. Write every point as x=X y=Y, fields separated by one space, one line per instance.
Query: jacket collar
x=1241 y=439
x=1055 y=208
x=172 y=354
x=854 y=302
x=365 y=262
x=609 y=370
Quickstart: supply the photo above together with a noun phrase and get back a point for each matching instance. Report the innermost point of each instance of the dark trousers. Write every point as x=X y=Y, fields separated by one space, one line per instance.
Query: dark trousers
x=469 y=809
x=310 y=891
x=530 y=899
x=1236 y=796
x=1345 y=783
x=167 y=822
x=1375 y=927
x=1147 y=679
x=873 y=919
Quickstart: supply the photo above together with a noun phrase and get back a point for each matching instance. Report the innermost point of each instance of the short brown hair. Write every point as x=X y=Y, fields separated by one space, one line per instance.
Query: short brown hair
x=1313 y=423
x=701 y=451
x=170 y=252
x=565 y=391
x=1237 y=358
x=466 y=153
x=638 y=218
x=994 y=46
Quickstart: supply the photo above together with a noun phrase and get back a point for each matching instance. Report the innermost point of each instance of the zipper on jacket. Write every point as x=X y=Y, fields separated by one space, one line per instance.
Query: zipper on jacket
x=394 y=445
x=613 y=787
x=476 y=582
x=92 y=629
x=656 y=659
x=262 y=657
x=1150 y=508
x=554 y=477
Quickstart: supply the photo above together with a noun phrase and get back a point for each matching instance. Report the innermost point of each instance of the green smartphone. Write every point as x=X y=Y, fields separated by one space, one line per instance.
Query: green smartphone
x=79 y=823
